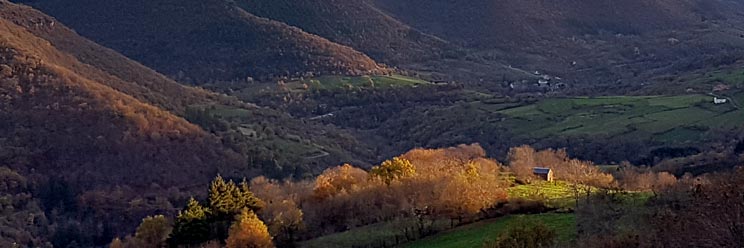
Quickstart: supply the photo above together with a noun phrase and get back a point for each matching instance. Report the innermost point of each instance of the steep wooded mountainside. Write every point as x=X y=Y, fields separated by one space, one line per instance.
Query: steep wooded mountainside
x=240 y=134
x=354 y=23
x=204 y=41
x=105 y=65
x=496 y=23
x=60 y=120
x=602 y=44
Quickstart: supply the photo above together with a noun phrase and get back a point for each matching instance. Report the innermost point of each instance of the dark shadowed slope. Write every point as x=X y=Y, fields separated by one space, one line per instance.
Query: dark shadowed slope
x=592 y=43
x=200 y=41
x=354 y=23
x=105 y=65
x=491 y=23
x=58 y=119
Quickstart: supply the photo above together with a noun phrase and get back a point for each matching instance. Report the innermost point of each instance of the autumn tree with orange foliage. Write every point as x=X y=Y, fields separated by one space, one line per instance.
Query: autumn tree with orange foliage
x=458 y=183
x=523 y=159
x=342 y=179
x=281 y=211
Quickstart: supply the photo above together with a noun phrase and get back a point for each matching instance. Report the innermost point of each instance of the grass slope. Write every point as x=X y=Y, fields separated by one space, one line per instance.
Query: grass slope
x=371 y=235
x=338 y=82
x=558 y=194
x=656 y=117
x=475 y=234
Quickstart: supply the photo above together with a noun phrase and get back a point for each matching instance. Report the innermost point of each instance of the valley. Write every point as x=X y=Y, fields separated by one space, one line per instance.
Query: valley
x=371 y=123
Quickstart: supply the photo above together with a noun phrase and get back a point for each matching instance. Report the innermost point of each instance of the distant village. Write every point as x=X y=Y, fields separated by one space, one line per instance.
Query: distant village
x=544 y=82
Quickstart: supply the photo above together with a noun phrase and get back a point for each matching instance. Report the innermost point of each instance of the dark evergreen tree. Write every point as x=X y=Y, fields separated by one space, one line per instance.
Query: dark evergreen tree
x=197 y=224
x=192 y=226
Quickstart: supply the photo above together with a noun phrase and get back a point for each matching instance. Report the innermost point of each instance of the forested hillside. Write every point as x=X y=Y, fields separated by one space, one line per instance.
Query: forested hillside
x=206 y=41
x=105 y=65
x=355 y=23
x=330 y=123
x=602 y=45
x=93 y=135
x=61 y=126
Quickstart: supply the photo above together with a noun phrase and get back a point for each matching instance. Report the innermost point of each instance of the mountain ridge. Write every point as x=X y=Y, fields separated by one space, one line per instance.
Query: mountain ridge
x=210 y=41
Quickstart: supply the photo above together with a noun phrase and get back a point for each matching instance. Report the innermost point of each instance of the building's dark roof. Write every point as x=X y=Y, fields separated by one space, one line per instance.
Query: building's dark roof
x=541 y=170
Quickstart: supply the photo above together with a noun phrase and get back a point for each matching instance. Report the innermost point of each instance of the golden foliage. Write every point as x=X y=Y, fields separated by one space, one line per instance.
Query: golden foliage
x=393 y=169
x=249 y=232
x=342 y=179
x=523 y=159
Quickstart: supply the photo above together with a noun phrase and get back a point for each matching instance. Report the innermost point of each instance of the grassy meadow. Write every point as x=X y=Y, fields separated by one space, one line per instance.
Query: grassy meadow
x=475 y=234
x=681 y=118
x=347 y=82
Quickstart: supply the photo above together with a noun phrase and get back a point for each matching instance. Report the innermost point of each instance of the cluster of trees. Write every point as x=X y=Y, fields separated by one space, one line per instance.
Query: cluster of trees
x=226 y=218
x=702 y=211
x=634 y=178
x=418 y=188
x=22 y=220
x=459 y=184
x=455 y=183
x=523 y=159
x=262 y=136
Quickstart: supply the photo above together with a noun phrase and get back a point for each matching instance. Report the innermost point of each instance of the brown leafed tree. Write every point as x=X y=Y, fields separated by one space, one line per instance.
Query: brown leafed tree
x=153 y=232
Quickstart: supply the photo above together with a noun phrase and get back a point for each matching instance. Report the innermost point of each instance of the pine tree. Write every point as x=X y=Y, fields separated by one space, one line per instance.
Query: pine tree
x=226 y=201
x=222 y=197
x=197 y=224
x=192 y=226
x=247 y=199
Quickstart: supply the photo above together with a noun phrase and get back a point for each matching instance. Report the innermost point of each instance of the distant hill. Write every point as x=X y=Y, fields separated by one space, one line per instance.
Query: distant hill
x=593 y=43
x=354 y=23
x=489 y=23
x=202 y=41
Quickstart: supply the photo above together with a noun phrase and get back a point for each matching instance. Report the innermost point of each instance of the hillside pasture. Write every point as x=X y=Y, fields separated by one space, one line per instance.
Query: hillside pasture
x=663 y=118
x=346 y=82
x=475 y=234
x=557 y=194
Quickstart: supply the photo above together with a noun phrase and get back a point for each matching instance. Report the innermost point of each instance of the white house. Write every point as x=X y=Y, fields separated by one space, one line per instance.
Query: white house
x=717 y=100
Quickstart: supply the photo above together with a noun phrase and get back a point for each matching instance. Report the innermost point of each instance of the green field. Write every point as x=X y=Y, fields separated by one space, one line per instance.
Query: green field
x=367 y=235
x=346 y=82
x=556 y=194
x=475 y=234
x=663 y=118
